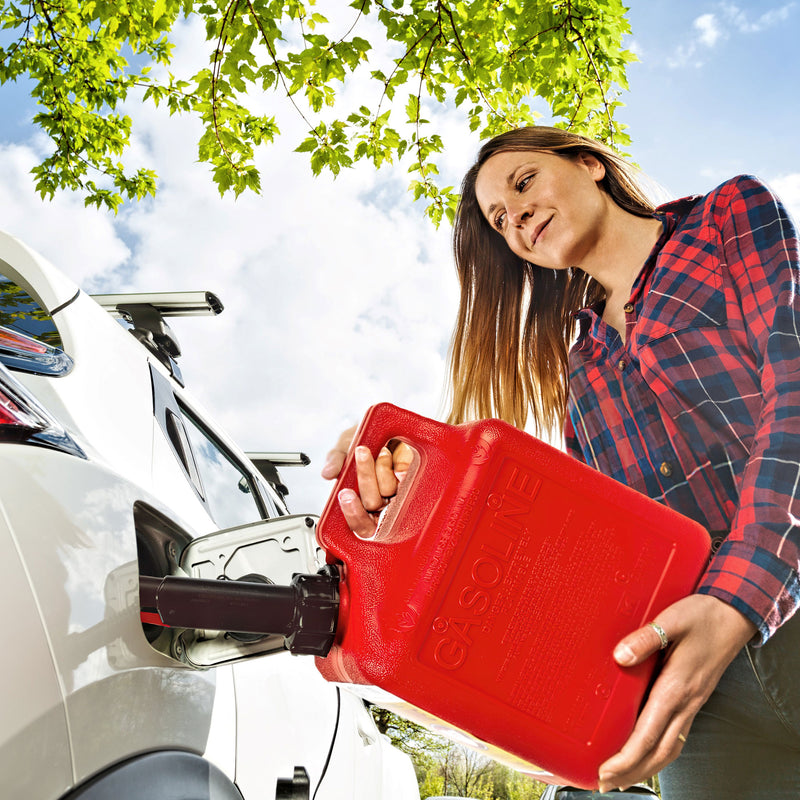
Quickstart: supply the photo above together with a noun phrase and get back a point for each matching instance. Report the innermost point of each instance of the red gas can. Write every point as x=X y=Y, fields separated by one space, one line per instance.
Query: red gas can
x=494 y=590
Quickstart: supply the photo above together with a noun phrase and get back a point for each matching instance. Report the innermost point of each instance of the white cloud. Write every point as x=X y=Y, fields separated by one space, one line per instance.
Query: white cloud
x=708 y=29
x=727 y=20
x=81 y=241
x=333 y=301
x=706 y=33
x=787 y=187
x=742 y=22
x=637 y=48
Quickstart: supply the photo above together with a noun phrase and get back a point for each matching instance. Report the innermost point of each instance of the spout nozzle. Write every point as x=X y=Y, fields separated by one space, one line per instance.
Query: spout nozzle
x=305 y=612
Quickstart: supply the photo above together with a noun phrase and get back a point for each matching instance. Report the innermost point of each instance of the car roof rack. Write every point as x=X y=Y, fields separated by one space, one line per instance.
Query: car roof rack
x=281 y=459
x=168 y=304
x=145 y=312
x=267 y=464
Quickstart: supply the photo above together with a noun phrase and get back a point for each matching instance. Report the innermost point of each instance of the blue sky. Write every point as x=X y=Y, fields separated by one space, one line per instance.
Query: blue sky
x=339 y=294
x=716 y=90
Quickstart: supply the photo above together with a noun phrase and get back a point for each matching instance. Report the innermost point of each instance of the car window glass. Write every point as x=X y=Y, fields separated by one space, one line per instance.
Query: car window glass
x=20 y=312
x=274 y=502
x=227 y=488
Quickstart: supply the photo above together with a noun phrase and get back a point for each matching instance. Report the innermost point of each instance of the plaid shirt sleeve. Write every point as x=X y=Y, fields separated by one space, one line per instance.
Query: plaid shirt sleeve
x=756 y=568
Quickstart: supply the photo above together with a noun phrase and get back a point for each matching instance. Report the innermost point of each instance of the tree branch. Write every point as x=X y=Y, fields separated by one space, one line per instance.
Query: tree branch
x=274 y=56
x=599 y=81
x=579 y=37
x=355 y=22
x=230 y=11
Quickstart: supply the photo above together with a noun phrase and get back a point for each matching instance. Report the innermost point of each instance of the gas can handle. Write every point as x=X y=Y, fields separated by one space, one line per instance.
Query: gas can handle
x=380 y=424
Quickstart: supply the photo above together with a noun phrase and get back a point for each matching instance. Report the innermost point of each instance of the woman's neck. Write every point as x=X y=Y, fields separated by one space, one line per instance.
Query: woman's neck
x=618 y=259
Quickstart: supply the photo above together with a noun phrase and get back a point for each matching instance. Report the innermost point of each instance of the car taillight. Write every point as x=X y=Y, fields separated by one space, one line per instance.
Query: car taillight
x=27 y=354
x=16 y=341
x=22 y=419
x=17 y=416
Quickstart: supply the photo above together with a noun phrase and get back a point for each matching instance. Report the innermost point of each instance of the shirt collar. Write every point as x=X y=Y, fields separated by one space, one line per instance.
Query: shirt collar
x=670 y=215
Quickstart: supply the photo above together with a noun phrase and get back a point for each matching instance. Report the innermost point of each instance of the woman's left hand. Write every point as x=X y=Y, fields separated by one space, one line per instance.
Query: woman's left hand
x=705 y=635
x=378 y=480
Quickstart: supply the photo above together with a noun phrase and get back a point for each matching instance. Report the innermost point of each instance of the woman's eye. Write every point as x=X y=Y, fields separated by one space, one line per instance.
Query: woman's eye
x=523 y=182
x=499 y=220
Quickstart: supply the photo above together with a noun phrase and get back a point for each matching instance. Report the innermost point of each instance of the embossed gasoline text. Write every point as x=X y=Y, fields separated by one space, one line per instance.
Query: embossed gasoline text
x=484 y=566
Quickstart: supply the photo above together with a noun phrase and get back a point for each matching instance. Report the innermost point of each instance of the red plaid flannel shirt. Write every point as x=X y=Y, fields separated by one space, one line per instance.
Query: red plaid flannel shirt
x=699 y=408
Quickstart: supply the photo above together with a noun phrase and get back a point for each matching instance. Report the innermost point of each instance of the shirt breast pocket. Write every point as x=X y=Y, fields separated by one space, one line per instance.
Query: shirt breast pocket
x=688 y=303
x=681 y=341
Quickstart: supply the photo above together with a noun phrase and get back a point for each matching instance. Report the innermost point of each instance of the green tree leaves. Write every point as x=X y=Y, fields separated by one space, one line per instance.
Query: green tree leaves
x=485 y=58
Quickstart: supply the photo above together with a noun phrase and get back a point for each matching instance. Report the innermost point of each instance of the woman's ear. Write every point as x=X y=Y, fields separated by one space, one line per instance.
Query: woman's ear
x=593 y=164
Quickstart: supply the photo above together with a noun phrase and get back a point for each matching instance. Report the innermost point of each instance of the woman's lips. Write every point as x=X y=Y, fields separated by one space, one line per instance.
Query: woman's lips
x=538 y=230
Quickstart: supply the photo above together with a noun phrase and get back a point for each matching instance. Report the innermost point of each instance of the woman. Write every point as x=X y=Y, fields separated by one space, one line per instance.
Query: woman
x=684 y=383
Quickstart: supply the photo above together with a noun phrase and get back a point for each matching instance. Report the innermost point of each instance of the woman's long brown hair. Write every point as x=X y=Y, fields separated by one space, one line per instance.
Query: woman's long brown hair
x=509 y=352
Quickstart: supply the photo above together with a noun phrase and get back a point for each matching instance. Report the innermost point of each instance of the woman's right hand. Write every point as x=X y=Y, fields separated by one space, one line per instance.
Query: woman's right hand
x=377 y=479
x=705 y=635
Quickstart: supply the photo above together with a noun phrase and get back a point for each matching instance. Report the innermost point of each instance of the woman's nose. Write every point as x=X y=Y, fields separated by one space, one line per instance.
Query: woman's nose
x=517 y=213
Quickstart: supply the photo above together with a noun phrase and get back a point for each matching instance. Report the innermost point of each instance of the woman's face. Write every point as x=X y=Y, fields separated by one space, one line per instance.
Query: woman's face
x=549 y=208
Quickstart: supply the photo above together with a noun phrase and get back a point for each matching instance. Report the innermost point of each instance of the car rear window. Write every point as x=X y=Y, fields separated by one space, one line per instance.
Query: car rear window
x=20 y=312
x=226 y=487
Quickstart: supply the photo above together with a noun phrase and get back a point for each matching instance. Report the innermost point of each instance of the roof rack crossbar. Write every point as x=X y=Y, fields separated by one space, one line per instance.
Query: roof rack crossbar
x=281 y=459
x=168 y=304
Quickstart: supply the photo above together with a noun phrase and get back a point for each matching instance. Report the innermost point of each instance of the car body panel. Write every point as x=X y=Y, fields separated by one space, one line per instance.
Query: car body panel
x=115 y=424
x=47 y=283
x=34 y=719
x=78 y=547
x=299 y=694
x=220 y=747
x=399 y=779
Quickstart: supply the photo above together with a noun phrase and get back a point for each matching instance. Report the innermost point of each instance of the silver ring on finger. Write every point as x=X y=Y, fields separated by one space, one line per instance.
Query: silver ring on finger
x=662 y=634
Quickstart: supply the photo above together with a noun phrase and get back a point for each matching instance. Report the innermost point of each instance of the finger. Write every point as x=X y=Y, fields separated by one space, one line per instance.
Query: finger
x=655 y=740
x=638 y=646
x=367 y=477
x=336 y=456
x=652 y=744
x=385 y=474
x=402 y=456
x=624 y=770
x=333 y=465
x=356 y=516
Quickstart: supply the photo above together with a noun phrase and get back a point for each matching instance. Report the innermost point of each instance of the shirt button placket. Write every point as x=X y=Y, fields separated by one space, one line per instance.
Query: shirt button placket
x=629 y=319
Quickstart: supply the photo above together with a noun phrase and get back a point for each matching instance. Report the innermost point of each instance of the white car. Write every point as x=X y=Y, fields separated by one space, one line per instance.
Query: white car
x=110 y=469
